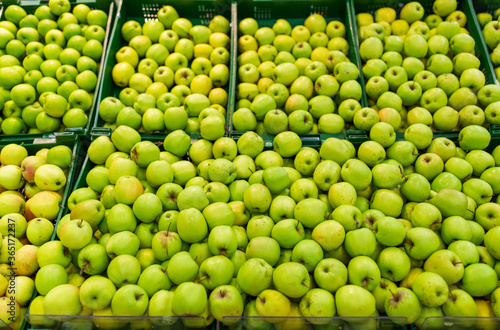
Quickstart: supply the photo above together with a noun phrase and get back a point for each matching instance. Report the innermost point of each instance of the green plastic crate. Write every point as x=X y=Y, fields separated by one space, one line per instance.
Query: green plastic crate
x=459 y=322
x=370 y=6
x=337 y=322
x=199 y=12
x=484 y=6
x=383 y=322
x=140 y=322
x=267 y=12
x=107 y=6
x=495 y=138
x=34 y=144
x=69 y=139
x=86 y=322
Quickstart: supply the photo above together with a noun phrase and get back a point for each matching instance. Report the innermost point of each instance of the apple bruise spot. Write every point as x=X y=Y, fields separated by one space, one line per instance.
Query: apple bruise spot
x=396 y=298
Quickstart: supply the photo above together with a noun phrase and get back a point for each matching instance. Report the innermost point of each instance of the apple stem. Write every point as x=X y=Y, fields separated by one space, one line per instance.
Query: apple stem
x=201 y=279
x=83 y=268
x=168 y=231
x=403 y=174
x=471 y=210
x=392 y=293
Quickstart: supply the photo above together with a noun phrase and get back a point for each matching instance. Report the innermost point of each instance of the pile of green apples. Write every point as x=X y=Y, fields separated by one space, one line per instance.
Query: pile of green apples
x=489 y=24
x=164 y=62
x=26 y=226
x=298 y=79
x=49 y=64
x=424 y=69
x=226 y=228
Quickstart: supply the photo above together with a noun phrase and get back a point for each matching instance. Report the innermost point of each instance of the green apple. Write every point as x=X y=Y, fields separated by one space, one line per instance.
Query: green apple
x=460 y=303
x=317 y=303
x=271 y=304
x=403 y=303
x=354 y=301
x=431 y=289
x=129 y=300
x=364 y=272
x=330 y=274
x=97 y=286
x=291 y=279
x=63 y=300
x=447 y=264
